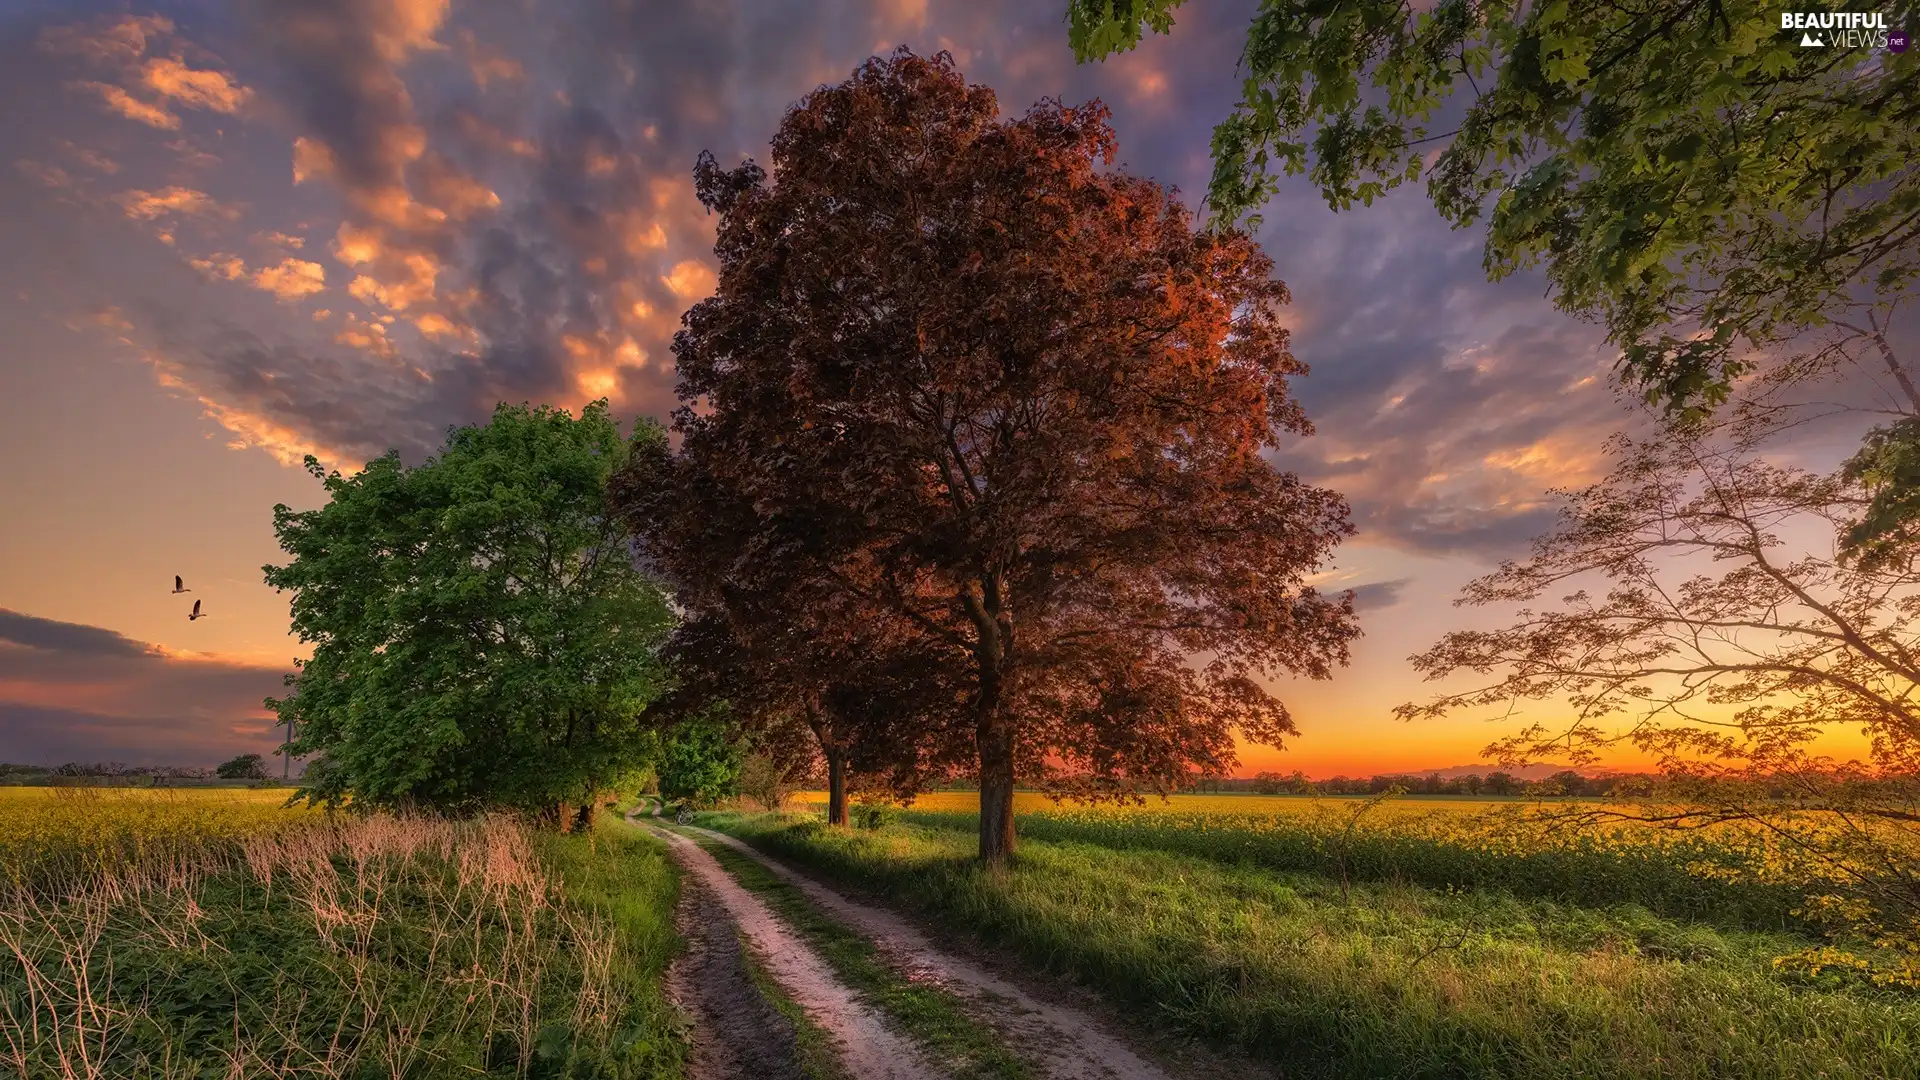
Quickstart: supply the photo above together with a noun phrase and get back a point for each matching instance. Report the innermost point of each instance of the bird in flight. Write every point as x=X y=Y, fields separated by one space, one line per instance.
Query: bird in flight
x=196 y=612
x=179 y=586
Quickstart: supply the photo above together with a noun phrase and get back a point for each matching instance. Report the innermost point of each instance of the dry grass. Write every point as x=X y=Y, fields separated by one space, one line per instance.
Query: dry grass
x=340 y=947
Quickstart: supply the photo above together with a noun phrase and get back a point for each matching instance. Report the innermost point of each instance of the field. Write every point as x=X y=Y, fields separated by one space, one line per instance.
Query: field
x=177 y=934
x=1429 y=939
x=1726 y=875
x=166 y=935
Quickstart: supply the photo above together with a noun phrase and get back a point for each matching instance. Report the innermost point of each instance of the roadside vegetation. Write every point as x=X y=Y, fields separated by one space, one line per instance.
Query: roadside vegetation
x=327 y=946
x=1375 y=978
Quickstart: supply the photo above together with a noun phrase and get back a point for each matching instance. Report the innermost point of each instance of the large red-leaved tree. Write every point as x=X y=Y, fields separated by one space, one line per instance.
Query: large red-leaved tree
x=768 y=633
x=1017 y=401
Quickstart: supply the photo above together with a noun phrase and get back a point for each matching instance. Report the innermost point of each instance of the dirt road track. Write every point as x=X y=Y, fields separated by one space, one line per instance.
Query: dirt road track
x=868 y=1049
x=1066 y=1043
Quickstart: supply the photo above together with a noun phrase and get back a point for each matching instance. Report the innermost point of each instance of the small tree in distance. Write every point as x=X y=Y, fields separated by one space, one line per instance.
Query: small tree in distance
x=1015 y=400
x=244 y=767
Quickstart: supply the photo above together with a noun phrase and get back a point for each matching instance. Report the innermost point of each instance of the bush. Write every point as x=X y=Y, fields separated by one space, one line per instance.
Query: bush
x=872 y=815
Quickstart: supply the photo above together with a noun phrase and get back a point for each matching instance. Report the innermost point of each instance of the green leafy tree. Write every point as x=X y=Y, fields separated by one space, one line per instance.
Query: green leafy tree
x=481 y=635
x=244 y=767
x=700 y=761
x=1687 y=173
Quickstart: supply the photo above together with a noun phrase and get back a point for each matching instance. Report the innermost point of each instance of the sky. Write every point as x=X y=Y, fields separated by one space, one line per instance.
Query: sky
x=236 y=234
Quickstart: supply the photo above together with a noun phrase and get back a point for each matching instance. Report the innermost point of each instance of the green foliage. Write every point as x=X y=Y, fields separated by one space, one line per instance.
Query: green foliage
x=1685 y=171
x=1389 y=980
x=480 y=633
x=1887 y=467
x=700 y=761
x=244 y=767
x=1577 y=867
x=1098 y=28
x=384 y=947
x=874 y=815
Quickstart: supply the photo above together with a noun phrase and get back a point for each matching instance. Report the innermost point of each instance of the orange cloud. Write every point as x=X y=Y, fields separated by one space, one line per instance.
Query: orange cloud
x=356 y=246
x=291 y=279
x=132 y=108
x=121 y=41
x=221 y=267
x=406 y=26
x=435 y=325
x=453 y=193
x=690 y=279
x=147 y=205
x=367 y=334
x=201 y=88
x=249 y=430
x=414 y=285
x=311 y=158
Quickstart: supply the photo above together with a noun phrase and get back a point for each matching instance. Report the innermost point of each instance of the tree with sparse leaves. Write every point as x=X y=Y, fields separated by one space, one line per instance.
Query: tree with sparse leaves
x=481 y=636
x=1695 y=619
x=1015 y=400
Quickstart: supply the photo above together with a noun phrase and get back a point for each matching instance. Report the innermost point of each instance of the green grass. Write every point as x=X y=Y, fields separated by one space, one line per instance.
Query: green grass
x=628 y=879
x=1382 y=978
x=1659 y=871
x=938 y=1019
x=362 y=947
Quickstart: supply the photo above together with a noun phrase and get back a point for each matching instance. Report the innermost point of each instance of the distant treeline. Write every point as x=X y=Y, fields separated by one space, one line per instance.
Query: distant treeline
x=1567 y=782
x=111 y=771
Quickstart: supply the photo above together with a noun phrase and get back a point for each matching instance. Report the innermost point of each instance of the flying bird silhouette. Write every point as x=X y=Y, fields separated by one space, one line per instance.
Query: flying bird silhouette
x=179 y=586
x=196 y=612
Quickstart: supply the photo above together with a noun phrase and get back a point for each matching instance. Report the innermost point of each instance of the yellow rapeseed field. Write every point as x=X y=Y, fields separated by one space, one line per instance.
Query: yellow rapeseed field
x=53 y=830
x=1524 y=844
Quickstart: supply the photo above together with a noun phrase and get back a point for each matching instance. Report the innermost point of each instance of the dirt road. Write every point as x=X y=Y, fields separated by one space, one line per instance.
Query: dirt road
x=1062 y=1042
x=1065 y=1043
x=733 y=1040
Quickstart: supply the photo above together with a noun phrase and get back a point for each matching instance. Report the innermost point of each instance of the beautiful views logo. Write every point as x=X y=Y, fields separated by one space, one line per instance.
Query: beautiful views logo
x=1844 y=30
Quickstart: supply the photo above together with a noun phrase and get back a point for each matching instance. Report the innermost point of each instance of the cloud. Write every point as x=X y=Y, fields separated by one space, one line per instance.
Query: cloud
x=201 y=88
x=53 y=636
x=147 y=205
x=506 y=188
x=131 y=107
x=1377 y=595
x=74 y=692
x=291 y=279
x=51 y=735
x=109 y=40
x=120 y=44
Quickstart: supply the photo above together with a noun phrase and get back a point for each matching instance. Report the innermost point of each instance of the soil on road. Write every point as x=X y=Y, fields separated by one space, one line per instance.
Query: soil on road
x=1064 y=1042
x=868 y=1049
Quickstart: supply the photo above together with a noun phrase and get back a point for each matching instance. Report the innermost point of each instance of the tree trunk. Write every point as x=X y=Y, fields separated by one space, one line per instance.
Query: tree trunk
x=995 y=742
x=836 y=785
x=993 y=728
x=583 y=818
